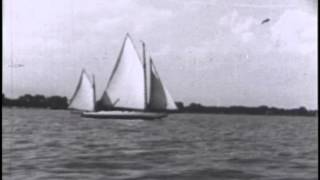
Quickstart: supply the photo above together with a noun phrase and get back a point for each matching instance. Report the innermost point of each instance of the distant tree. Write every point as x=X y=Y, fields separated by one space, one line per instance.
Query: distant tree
x=195 y=107
x=39 y=101
x=4 y=100
x=262 y=110
x=179 y=105
x=24 y=100
x=303 y=109
x=57 y=102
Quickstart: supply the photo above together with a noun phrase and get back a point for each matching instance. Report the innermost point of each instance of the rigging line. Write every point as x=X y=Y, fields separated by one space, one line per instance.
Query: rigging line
x=145 y=76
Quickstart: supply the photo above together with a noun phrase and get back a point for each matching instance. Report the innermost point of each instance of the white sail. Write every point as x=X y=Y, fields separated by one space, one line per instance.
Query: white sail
x=84 y=96
x=160 y=98
x=125 y=88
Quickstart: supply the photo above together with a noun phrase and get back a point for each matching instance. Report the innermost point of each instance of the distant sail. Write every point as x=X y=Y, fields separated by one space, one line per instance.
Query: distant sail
x=160 y=98
x=125 y=88
x=83 y=97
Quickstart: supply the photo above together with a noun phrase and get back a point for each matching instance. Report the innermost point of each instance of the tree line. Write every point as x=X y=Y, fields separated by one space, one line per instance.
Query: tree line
x=58 y=102
x=36 y=101
x=260 y=110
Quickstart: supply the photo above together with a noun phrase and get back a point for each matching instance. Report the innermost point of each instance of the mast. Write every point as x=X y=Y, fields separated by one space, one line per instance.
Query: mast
x=94 y=92
x=145 y=75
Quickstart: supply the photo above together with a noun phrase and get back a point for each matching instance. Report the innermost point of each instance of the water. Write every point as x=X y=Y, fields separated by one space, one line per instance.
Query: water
x=54 y=144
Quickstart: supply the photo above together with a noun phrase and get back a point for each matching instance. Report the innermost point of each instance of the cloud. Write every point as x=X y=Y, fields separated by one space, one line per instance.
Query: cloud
x=295 y=32
x=243 y=26
x=240 y=27
x=247 y=36
x=264 y=6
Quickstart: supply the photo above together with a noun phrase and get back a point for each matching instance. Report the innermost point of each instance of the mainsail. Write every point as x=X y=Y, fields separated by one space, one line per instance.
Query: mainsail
x=125 y=88
x=84 y=96
x=160 y=98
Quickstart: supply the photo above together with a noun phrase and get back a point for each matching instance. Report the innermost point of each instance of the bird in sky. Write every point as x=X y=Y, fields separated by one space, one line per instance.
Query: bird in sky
x=265 y=21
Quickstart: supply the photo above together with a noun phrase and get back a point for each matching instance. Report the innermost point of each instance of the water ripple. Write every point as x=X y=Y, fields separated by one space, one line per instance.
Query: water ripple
x=46 y=144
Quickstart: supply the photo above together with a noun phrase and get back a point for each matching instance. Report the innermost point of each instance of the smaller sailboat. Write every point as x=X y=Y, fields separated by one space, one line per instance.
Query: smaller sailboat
x=127 y=95
x=83 y=98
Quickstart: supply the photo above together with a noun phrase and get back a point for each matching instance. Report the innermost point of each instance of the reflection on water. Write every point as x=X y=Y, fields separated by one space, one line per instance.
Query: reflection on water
x=47 y=144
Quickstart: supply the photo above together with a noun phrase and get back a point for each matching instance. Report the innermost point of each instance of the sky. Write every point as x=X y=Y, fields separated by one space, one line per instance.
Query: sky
x=206 y=51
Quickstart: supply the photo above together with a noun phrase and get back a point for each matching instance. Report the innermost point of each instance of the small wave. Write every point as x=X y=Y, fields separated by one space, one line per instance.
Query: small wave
x=204 y=174
x=22 y=142
x=21 y=148
x=297 y=179
x=284 y=154
x=103 y=165
x=249 y=160
x=301 y=166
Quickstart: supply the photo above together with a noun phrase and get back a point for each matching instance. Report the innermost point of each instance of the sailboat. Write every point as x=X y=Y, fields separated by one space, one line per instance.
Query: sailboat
x=83 y=98
x=127 y=95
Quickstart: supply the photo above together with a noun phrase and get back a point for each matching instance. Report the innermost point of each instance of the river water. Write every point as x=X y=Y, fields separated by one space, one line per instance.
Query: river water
x=55 y=144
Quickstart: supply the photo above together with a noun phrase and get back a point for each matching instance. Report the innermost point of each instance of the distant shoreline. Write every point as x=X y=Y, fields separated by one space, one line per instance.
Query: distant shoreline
x=36 y=101
x=180 y=112
x=259 y=110
x=58 y=102
x=293 y=115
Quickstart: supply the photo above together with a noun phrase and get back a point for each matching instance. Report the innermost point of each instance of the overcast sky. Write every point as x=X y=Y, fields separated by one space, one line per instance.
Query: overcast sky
x=206 y=51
